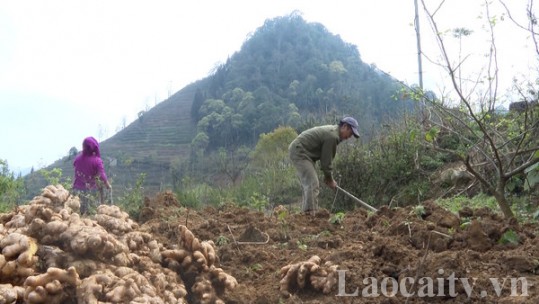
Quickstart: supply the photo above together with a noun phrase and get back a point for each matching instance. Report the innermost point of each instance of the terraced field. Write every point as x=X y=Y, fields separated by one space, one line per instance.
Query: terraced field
x=150 y=144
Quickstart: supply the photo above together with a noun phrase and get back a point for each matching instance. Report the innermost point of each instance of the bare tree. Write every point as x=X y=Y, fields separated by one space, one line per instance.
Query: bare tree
x=232 y=163
x=495 y=147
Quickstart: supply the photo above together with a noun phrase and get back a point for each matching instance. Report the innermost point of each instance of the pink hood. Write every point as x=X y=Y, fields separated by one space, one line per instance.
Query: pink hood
x=90 y=147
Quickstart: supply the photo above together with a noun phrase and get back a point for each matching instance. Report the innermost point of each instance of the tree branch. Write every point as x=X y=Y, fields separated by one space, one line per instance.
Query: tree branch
x=522 y=167
x=531 y=21
x=458 y=88
x=481 y=179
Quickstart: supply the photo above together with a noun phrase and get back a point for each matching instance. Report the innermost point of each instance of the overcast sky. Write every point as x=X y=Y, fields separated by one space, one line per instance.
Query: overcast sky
x=71 y=69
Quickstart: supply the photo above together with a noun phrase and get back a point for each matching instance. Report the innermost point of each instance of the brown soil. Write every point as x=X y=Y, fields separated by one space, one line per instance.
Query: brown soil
x=392 y=244
x=428 y=254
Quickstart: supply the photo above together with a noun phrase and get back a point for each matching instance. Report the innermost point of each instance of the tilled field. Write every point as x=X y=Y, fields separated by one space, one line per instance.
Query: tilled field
x=173 y=254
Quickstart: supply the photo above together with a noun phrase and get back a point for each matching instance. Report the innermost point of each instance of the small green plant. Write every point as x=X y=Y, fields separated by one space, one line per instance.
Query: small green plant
x=281 y=215
x=133 y=199
x=419 y=211
x=337 y=218
x=509 y=237
x=465 y=222
x=283 y=223
x=301 y=245
x=282 y=245
x=222 y=240
x=258 y=201
x=256 y=267
x=253 y=268
x=325 y=233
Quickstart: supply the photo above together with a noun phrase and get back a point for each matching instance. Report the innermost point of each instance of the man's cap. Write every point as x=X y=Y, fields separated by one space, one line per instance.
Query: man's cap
x=353 y=124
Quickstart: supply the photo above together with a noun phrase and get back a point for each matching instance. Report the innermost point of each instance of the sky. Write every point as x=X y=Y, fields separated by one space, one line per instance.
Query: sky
x=71 y=68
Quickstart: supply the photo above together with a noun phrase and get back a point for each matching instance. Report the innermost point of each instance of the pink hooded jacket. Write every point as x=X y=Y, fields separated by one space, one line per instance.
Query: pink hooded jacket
x=89 y=166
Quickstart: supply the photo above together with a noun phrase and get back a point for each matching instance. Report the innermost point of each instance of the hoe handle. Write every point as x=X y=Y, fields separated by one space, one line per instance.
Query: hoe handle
x=357 y=199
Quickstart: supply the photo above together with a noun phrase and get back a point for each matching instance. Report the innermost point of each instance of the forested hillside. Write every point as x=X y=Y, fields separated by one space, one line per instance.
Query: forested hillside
x=295 y=73
x=289 y=72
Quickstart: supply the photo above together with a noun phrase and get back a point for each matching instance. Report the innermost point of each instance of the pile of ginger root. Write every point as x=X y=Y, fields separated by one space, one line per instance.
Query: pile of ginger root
x=50 y=254
x=307 y=274
x=194 y=257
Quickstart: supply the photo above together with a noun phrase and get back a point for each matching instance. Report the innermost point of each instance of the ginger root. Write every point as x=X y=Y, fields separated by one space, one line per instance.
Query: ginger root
x=325 y=279
x=210 y=285
x=16 y=244
x=11 y=294
x=204 y=291
x=53 y=197
x=218 y=275
x=203 y=253
x=114 y=219
x=193 y=256
x=18 y=256
x=198 y=259
x=16 y=220
x=125 y=285
x=52 y=223
x=55 y=286
x=50 y=254
x=299 y=275
x=57 y=194
x=83 y=238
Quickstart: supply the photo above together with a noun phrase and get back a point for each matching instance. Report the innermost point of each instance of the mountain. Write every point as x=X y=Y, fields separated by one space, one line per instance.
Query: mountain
x=289 y=72
x=148 y=145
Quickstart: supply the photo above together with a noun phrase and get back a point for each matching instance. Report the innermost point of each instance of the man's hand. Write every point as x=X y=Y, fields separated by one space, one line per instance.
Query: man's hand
x=331 y=183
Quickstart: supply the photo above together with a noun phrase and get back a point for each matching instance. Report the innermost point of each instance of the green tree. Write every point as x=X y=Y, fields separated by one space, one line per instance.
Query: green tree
x=199 y=144
x=11 y=188
x=72 y=153
x=197 y=103
x=220 y=122
x=54 y=177
x=271 y=167
x=233 y=163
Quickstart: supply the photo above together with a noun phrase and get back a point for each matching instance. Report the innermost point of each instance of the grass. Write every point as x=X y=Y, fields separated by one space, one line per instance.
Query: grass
x=522 y=209
x=455 y=204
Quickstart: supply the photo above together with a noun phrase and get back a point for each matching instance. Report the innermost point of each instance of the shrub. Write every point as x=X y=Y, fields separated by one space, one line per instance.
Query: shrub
x=133 y=199
x=393 y=167
x=11 y=188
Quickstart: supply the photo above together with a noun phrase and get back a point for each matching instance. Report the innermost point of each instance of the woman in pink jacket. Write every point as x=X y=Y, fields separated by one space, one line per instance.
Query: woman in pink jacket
x=90 y=174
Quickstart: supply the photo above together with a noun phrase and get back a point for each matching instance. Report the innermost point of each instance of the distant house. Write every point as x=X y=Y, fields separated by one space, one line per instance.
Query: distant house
x=521 y=106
